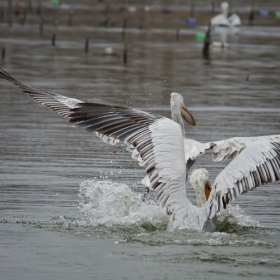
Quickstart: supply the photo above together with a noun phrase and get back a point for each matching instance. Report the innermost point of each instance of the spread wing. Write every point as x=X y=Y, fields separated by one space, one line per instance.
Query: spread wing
x=234 y=20
x=193 y=149
x=230 y=148
x=155 y=141
x=257 y=165
x=223 y=149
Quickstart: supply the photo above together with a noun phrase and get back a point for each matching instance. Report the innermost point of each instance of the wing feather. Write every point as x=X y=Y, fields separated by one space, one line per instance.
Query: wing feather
x=230 y=148
x=193 y=149
x=258 y=164
x=155 y=141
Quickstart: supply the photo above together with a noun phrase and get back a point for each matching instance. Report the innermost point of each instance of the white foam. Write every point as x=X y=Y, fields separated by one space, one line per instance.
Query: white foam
x=236 y=215
x=108 y=203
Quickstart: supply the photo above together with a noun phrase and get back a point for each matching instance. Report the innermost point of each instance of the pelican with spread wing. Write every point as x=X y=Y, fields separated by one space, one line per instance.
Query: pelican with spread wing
x=158 y=144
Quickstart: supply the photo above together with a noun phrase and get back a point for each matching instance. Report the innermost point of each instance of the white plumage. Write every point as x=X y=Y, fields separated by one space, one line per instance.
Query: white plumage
x=223 y=19
x=198 y=180
x=224 y=149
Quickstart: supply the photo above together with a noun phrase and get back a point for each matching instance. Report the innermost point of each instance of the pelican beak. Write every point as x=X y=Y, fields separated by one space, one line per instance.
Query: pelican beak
x=207 y=190
x=187 y=115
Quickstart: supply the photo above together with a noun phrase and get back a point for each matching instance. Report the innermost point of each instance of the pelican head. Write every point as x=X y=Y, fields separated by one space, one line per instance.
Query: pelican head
x=179 y=111
x=224 y=7
x=200 y=181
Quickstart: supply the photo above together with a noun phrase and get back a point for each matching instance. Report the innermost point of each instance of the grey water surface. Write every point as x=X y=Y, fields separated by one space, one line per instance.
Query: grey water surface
x=52 y=174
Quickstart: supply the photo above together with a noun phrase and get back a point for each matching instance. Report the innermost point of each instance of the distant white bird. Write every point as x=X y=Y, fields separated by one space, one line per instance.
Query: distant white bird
x=158 y=144
x=219 y=24
x=223 y=19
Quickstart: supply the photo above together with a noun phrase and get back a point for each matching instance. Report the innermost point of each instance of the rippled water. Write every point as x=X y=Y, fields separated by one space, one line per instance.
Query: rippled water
x=71 y=206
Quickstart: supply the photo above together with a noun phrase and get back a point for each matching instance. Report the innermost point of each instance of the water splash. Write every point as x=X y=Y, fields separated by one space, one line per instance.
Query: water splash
x=110 y=209
x=115 y=204
x=234 y=220
x=108 y=203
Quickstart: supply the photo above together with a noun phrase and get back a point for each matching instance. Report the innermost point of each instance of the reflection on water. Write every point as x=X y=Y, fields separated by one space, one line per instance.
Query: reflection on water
x=44 y=160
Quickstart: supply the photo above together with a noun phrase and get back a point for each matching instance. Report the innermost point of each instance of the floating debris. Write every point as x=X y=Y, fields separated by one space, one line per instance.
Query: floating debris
x=110 y=51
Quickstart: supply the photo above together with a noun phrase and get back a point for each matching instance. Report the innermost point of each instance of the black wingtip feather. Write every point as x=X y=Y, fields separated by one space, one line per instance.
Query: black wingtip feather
x=4 y=75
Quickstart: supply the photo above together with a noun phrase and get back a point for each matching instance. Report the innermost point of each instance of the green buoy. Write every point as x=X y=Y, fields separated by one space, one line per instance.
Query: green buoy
x=277 y=15
x=200 y=37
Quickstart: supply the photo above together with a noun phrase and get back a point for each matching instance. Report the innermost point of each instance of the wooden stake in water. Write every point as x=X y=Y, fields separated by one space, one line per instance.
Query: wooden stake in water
x=125 y=55
x=106 y=13
x=16 y=8
x=39 y=8
x=8 y=13
x=177 y=34
x=30 y=5
x=3 y=53
x=53 y=39
x=2 y=13
x=23 y=20
x=192 y=8
x=213 y=4
x=86 y=45
x=41 y=25
x=124 y=34
x=71 y=15
x=125 y=20
x=252 y=13
x=55 y=28
x=207 y=43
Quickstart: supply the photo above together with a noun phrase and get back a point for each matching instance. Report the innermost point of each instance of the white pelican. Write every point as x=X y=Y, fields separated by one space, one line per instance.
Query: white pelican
x=223 y=19
x=219 y=22
x=158 y=144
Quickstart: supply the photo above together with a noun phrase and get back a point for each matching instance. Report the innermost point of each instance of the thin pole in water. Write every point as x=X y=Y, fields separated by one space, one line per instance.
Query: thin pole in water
x=23 y=20
x=125 y=19
x=207 y=42
x=9 y=12
x=16 y=8
x=41 y=25
x=71 y=15
x=2 y=12
x=53 y=39
x=56 y=22
x=39 y=8
x=107 y=11
x=252 y=13
x=192 y=8
x=124 y=34
x=86 y=45
x=213 y=4
x=3 y=53
x=29 y=5
x=177 y=34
